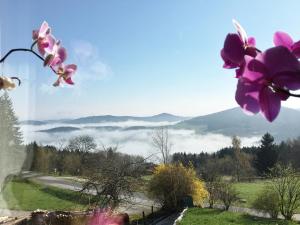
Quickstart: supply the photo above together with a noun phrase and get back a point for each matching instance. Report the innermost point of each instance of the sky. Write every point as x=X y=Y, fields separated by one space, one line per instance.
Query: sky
x=135 y=57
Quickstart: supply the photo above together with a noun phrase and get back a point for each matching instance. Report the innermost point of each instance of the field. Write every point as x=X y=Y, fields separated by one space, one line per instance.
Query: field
x=27 y=196
x=198 y=216
x=248 y=192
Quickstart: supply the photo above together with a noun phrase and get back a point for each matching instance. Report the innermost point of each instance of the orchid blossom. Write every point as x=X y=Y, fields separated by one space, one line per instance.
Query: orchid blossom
x=236 y=47
x=44 y=38
x=50 y=52
x=105 y=217
x=264 y=78
x=65 y=73
x=283 y=39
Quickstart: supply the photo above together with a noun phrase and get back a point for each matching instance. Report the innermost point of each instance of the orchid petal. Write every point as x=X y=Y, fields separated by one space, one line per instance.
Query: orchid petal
x=50 y=40
x=44 y=30
x=57 y=82
x=283 y=39
x=247 y=96
x=251 y=41
x=62 y=54
x=289 y=80
x=233 y=50
x=227 y=63
x=71 y=66
x=270 y=103
x=254 y=70
x=241 y=31
x=279 y=60
x=296 y=49
x=69 y=81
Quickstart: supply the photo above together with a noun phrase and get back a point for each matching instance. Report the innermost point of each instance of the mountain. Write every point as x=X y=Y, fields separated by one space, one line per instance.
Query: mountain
x=33 y=122
x=60 y=129
x=163 y=117
x=236 y=122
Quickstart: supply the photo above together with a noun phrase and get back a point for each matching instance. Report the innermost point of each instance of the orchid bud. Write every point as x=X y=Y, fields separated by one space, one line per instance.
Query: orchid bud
x=7 y=83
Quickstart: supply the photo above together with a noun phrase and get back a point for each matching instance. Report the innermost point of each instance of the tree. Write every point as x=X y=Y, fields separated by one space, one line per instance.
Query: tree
x=161 y=142
x=114 y=177
x=236 y=143
x=286 y=183
x=227 y=194
x=242 y=164
x=83 y=143
x=213 y=188
x=267 y=200
x=171 y=183
x=267 y=155
x=12 y=155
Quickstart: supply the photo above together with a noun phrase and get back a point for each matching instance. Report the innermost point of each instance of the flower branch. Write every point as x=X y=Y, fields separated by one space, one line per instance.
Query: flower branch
x=50 y=52
x=265 y=78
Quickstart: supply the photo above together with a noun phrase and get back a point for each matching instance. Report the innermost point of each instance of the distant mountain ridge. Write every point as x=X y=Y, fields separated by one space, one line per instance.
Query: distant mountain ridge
x=235 y=122
x=163 y=117
x=228 y=122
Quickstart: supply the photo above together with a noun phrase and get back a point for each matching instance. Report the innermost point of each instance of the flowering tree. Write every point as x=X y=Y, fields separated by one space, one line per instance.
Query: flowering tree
x=264 y=78
x=50 y=51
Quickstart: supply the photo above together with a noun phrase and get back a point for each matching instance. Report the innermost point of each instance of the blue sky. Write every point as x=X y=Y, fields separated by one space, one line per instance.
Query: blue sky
x=136 y=57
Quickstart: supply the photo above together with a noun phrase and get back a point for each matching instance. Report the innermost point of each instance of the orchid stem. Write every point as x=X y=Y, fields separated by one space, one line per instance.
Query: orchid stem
x=287 y=92
x=20 y=50
x=294 y=95
x=24 y=50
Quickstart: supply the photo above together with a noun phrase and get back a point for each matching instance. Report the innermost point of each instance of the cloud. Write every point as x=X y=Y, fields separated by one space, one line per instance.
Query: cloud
x=91 y=66
x=138 y=141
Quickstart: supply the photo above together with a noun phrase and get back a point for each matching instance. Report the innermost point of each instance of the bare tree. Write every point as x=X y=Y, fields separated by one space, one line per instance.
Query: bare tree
x=115 y=178
x=227 y=194
x=286 y=183
x=162 y=144
x=83 y=143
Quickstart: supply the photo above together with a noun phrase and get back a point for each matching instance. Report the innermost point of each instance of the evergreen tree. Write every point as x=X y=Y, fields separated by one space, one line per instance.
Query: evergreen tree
x=11 y=154
x=267 y=155
x=11 y=137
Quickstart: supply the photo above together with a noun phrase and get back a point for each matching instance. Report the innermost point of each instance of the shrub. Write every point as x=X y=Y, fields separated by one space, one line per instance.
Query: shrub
x=171 y=183
x=268 y=201
x=227 y=194
x=286 y=183
x=213 y=188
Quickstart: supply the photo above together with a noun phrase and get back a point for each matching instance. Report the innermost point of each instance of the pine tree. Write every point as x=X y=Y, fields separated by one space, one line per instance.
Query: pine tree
x=267 y=155
x=11 y=137
x=11 y=153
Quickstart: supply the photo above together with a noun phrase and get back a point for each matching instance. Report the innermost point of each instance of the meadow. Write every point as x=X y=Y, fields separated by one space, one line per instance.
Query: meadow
x=198 y=216
x=26 y=195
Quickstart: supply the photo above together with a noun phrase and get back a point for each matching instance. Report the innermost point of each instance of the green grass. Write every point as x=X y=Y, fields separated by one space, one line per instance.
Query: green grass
x=198 y=216
x=248 y=191
x=26 y=195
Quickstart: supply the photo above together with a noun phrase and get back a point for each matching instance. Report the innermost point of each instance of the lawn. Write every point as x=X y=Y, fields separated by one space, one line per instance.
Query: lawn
x=26 y=195
x=198 y=216
x=248 y=191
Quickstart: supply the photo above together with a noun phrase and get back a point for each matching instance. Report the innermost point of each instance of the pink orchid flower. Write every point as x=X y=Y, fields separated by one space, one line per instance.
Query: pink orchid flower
x=57 y=56
x=283 y=39
x=105 y=217
x=258 y=87
x=65 y=73
x=236 y=47
x=45 y=41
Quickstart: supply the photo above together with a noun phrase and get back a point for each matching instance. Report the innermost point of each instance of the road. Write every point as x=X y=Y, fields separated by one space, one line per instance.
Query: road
x=137 y=205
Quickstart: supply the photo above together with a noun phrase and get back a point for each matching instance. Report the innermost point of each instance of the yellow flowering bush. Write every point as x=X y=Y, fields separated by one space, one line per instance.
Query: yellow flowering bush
x=171 y=183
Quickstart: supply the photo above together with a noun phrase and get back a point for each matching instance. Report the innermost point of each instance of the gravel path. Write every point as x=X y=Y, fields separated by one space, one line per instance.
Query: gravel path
x=139 y=202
